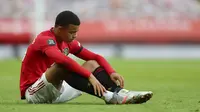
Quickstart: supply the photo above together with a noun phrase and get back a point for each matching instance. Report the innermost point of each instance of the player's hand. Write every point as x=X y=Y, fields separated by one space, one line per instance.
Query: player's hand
x=119 y=80
x=98 y=87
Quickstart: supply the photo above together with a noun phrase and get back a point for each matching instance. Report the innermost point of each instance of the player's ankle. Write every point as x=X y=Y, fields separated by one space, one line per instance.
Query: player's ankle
x=107 y=96
x=117 y=89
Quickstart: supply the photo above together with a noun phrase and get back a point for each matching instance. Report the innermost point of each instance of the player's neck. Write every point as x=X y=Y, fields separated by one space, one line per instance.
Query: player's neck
x=58 y=39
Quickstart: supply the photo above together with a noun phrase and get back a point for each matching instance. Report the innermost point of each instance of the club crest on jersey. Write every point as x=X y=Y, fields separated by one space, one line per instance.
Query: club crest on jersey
x=51 y=42
x=66 y=51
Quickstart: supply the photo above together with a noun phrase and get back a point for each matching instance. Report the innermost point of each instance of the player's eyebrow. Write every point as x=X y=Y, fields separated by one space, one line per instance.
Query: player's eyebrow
x=73 y=31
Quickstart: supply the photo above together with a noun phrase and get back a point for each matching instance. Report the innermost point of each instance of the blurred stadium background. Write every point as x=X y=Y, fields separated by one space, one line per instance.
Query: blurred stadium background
x=154 y=44
x=114 y=28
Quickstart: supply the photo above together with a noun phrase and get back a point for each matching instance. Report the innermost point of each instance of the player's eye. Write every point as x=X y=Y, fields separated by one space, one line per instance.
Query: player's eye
x=73 y=32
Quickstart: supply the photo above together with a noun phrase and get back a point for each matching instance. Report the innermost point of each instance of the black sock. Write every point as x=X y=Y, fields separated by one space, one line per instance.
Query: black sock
x=81 y=83
x=105 y=80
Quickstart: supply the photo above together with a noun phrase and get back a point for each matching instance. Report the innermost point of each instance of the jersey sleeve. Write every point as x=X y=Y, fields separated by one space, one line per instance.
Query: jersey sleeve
x=48 y=46
x=86 y=55
x=75 y=47
x=69 y=63
x=45 y=42
x=78 y=50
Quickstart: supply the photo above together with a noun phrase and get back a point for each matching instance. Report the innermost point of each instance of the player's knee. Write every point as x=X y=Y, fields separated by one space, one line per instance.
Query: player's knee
x=56 y=72
x=58 y=67
x=90 y=65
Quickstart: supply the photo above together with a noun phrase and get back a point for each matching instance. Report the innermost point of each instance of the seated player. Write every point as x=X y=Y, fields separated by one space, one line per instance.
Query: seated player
x=48 y=75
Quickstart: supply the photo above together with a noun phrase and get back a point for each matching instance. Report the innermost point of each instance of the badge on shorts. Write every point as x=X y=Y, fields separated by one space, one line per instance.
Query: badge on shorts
x=51 y=42
x=66 y=51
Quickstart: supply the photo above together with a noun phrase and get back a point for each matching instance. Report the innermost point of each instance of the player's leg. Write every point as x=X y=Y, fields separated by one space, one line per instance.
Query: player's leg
x=42 y=92
x=104 y=79
x=101 y=75
x=50 y=89
x=67 y=93
x=74 y=80
x=57 y=73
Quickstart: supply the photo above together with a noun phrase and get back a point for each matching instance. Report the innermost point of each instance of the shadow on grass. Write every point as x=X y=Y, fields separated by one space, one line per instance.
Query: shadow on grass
x=67 y=103
x=13 y=103
x=80 y=103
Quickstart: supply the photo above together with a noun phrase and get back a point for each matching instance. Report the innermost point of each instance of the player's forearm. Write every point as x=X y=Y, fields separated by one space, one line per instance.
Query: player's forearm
x=104 y=63
x=69 y=63
x=88 y=55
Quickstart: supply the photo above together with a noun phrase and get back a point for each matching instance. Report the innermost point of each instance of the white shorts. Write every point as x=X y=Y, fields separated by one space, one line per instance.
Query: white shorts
x=44 y=92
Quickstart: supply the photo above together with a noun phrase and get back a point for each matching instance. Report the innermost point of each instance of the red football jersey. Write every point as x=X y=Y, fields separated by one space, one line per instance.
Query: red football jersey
x=36 y=62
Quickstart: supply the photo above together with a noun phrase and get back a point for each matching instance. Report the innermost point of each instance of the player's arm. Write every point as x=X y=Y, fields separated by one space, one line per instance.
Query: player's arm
x=69 y=63
x=86 y=55
x=48 y=46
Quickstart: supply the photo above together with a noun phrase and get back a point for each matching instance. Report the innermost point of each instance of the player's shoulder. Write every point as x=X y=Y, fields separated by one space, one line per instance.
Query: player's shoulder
x=45 y=37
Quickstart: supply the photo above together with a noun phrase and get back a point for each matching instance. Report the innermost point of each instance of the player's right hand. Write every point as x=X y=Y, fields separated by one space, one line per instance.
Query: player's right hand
x=98 y=87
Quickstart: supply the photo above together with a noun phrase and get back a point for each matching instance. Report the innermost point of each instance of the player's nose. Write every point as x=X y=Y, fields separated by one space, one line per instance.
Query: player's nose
x=74 y=36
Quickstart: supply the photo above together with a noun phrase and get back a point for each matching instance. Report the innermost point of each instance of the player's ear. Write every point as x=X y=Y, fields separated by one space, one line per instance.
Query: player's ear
x=59 y=27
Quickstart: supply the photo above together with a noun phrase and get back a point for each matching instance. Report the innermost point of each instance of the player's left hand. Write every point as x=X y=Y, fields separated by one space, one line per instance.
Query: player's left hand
x=115 y=77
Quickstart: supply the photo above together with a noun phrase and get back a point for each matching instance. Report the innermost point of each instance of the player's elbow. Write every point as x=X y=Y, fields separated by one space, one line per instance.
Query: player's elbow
x=95 y=57
x=60 y=60
x=98 y=57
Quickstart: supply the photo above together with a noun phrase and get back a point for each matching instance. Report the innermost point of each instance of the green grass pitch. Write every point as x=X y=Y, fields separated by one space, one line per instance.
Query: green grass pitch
x=175 y=83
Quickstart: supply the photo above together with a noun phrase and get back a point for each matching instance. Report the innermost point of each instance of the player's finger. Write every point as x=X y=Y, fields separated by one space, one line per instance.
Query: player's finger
x=115 y=81
x=95 y=89
x=102 y=90
x=99 y=90
x=122 y=82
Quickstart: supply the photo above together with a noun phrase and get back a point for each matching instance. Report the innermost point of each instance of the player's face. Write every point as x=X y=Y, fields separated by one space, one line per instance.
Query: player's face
x=70 y=33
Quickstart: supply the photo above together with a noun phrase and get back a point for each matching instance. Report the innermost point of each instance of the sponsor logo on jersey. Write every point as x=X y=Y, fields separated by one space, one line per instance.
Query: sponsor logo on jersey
x=66 y=51
x=51 y=42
